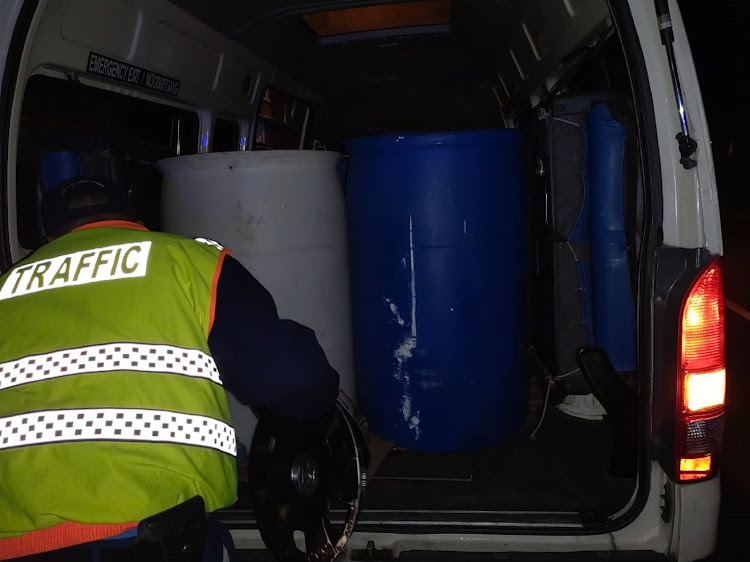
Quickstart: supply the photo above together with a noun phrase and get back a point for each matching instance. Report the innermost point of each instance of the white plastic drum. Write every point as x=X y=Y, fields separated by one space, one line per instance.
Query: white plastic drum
x=282 y=215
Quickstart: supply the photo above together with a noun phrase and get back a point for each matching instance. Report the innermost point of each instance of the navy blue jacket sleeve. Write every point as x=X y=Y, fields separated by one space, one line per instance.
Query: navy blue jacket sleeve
x=269 y=364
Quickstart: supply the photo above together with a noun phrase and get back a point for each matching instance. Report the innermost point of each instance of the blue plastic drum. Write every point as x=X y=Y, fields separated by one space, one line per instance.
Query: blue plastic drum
x=59 y=166
x=614 y=307
x=437 y=232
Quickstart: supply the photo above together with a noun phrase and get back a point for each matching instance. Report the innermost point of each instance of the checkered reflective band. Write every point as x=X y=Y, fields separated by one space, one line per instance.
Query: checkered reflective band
x=109 y=357
x=116 y=424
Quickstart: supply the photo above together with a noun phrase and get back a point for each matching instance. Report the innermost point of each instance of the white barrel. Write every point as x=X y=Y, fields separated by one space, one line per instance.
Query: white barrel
x=282 y=215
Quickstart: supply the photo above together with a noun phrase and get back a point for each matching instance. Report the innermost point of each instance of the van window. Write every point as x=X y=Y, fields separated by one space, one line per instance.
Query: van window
x=281 y=121
x=116 y=136
x=226 y=136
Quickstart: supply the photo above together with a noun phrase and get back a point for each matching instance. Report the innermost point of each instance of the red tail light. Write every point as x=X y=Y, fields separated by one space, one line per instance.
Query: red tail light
x=703 y=377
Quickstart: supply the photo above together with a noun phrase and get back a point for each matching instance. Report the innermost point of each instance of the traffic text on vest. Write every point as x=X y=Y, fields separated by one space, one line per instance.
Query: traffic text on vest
x=87 y=266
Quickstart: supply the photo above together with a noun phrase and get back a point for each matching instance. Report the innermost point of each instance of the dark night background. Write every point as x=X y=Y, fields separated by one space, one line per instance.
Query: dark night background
x=719 y=34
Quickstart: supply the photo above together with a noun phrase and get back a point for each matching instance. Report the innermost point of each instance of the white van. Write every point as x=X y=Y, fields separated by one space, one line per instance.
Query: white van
x=140 y=81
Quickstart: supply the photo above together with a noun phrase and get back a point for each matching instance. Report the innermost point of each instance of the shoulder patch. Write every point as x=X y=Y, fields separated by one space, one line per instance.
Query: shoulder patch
x=210 y=242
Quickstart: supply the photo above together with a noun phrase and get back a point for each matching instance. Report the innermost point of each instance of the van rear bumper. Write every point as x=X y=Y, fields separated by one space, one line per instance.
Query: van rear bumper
x=436 y=556
x=426 y=556
x=648 y=537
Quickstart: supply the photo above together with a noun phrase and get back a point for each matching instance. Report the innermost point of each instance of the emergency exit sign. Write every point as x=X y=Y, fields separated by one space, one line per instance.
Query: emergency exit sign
x=130 y=74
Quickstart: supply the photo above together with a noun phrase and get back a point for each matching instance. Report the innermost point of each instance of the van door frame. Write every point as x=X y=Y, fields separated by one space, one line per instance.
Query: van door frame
x=15 y=20
x=652 y=239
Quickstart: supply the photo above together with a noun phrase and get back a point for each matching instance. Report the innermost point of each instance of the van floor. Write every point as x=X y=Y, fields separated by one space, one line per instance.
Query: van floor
x=565 y=468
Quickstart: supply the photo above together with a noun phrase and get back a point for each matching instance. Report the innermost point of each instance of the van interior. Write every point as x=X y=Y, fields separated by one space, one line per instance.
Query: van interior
x=310 y=75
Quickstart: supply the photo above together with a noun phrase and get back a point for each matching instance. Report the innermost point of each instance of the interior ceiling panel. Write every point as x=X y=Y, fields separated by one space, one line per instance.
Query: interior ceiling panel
x=277 y=31
x=513 y=44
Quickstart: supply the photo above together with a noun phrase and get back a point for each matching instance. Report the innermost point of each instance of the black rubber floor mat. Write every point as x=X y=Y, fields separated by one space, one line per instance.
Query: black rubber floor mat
x=419 y=466
x=564 y=469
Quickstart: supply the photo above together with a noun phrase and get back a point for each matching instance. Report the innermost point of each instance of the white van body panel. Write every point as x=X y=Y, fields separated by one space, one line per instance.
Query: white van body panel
x=683 y=536
x=696 y=519
x=153 y=34
x=691 y=209
x=16 y=251
x=9 y=10
x=709 y=197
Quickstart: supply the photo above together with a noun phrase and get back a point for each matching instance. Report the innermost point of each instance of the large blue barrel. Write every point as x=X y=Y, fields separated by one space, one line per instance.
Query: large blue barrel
x=614 y=307
x=437 y=227
x=59 y=166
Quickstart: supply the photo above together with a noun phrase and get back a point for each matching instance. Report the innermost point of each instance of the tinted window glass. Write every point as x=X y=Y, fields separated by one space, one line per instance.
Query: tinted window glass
x=281 y=121
x=115 y=136
x=226 y=136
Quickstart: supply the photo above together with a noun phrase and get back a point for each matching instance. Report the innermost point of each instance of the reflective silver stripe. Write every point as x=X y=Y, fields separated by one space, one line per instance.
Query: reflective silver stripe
x=210 y=242
x=103 y=358
x=116 y=424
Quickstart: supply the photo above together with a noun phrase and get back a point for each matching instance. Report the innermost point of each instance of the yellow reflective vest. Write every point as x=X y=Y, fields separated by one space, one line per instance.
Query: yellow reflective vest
x=111 y=406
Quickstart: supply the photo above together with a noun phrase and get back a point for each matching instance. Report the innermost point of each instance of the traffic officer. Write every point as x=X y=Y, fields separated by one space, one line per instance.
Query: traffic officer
x=116 y=347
